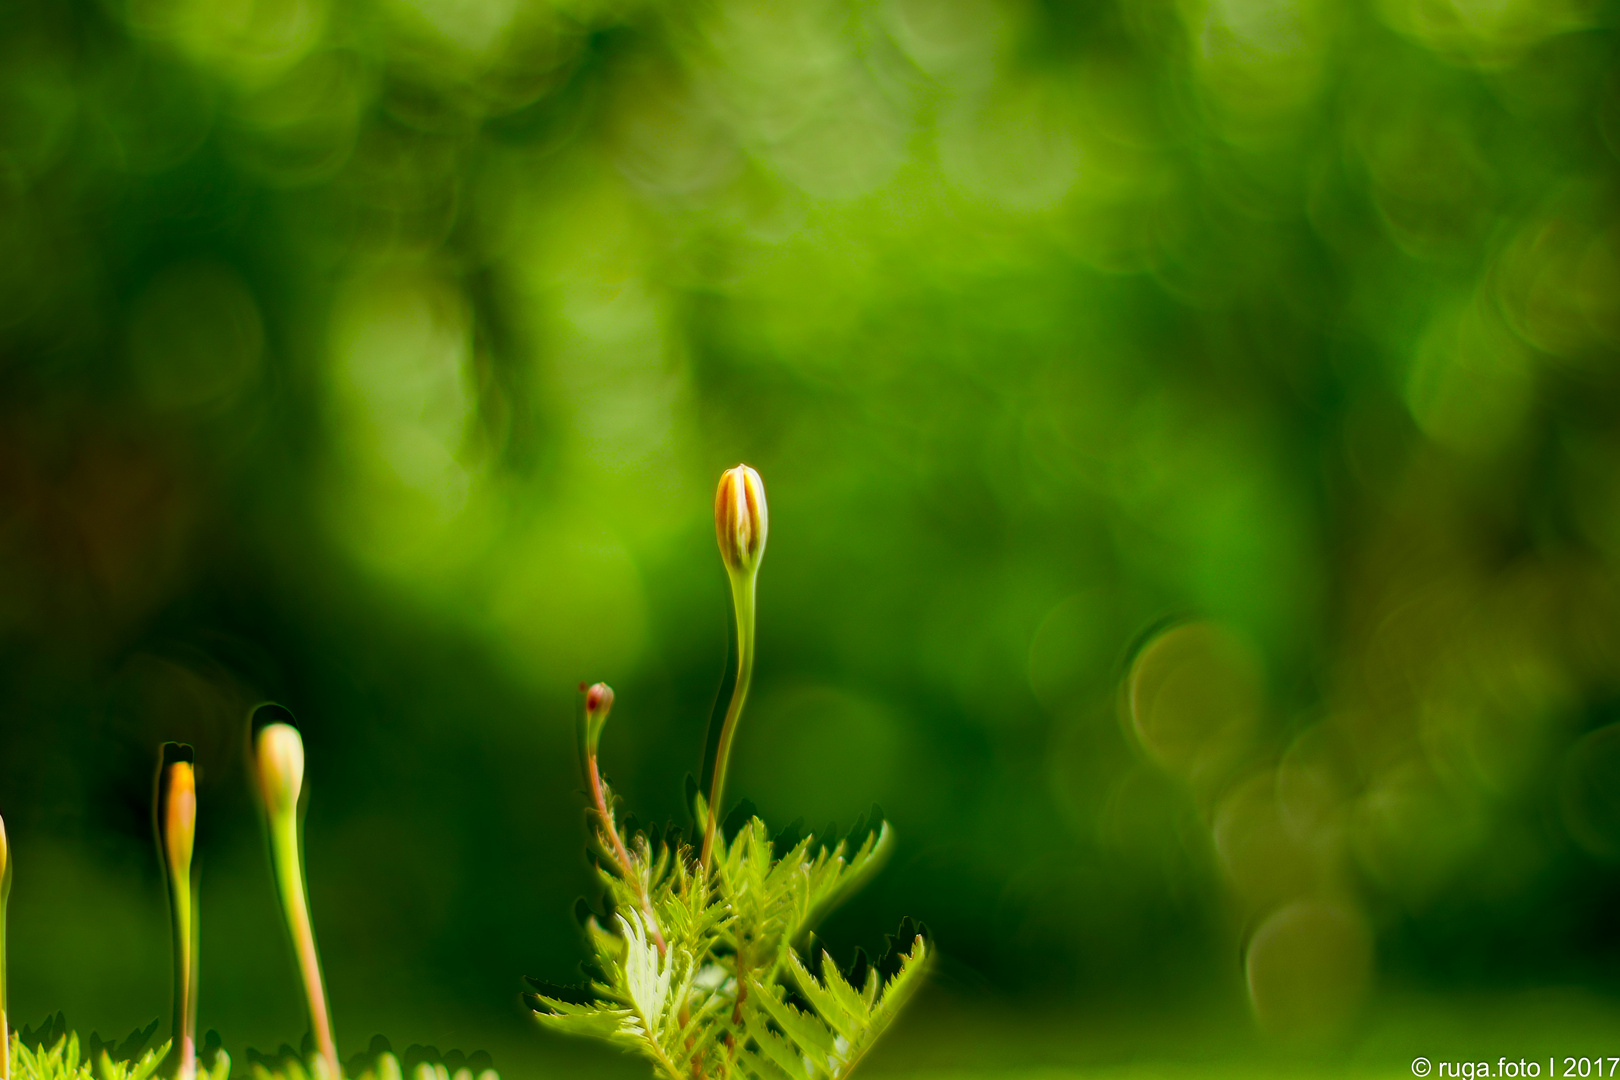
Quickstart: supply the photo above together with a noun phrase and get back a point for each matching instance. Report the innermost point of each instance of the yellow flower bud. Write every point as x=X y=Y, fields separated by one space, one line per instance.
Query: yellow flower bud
x=740 y=519
x=279 y=762
x=5 y=872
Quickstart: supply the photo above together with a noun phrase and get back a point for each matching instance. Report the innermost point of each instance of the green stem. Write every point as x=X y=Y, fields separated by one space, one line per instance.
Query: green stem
x=5 y=1032
x=742 y=599
x=295 y=902
x=182 y=908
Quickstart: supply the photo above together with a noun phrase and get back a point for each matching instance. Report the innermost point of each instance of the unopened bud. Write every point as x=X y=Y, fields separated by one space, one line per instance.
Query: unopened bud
x=740 y=519
x=5 y=882
x=599 y=699
x=177 y=806
x=598 y=703
x=279 y=762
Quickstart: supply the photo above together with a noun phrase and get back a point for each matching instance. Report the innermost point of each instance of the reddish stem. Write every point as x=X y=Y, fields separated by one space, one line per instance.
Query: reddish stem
x=626 y=869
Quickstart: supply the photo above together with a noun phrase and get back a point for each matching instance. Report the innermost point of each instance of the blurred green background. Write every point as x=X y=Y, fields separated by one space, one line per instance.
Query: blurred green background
x=1190 y=434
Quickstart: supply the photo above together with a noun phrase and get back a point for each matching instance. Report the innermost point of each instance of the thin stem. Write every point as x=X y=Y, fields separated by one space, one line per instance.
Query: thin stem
x=742 y=986
x=696 y=1063
x=5 y=1032
x=182 y=910
x=190 y=1051
x=627 y=869
x=742 y=599
x=290 y=880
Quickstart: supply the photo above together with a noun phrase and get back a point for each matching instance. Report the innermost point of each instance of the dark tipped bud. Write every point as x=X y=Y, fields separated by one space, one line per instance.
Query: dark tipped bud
x=598 y=703
x=740 y=519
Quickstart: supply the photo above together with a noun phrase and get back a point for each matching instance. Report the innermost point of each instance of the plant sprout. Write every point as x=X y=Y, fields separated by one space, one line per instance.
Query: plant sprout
x=177 y=829
x=278 y=761
x=705 y=963
x=5 y=891
x=52 y=1052
x=741 y=524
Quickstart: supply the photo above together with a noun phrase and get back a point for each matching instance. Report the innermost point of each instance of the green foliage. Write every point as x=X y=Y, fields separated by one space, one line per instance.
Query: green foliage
x=722 y=977
x=378 y=1062
x=52 y=1050
x=53 y=1053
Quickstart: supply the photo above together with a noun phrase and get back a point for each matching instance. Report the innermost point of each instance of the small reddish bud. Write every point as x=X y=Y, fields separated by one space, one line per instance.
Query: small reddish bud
x=741 y=520
x=598 y=703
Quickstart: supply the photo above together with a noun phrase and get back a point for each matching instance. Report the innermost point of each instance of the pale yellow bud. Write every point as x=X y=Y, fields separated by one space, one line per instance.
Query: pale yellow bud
x=279 y=762
x=5 y=882
x=740 y=519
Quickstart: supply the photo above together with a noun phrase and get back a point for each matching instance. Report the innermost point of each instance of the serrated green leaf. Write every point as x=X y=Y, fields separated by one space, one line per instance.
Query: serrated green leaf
x=595 y=1020
x=776 y=1059
x=804 y=1030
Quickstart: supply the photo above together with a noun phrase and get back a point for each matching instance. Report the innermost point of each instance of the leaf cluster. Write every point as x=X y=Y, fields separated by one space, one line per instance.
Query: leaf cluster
x=51 y=1052
x=53 y=1030
x=377 y=1062
x=718 y=975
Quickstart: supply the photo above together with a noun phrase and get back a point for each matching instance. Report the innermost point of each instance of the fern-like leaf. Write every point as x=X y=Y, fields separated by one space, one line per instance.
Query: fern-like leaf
x=828 y=1042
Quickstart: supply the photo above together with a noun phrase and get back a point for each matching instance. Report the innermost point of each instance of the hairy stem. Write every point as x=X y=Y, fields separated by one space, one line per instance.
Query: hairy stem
x=627 y=869
x=742 y=599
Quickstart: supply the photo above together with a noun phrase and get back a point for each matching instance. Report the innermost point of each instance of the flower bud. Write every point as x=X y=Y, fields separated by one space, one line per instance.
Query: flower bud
x=278 y=769
x=5 y=877
x=740 y=519
x=599 y=699
x=279 y=762
x=177 y=832
x=598 y=703
x=177 y=807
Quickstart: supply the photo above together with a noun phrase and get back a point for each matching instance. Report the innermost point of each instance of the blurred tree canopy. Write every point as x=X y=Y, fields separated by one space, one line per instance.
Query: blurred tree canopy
x=1189 y=427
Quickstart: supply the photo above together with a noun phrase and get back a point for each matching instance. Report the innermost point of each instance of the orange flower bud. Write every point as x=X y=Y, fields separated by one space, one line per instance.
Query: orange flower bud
x=177 y=806
x=177 y=834
x=740 y=519
x=741 y=523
